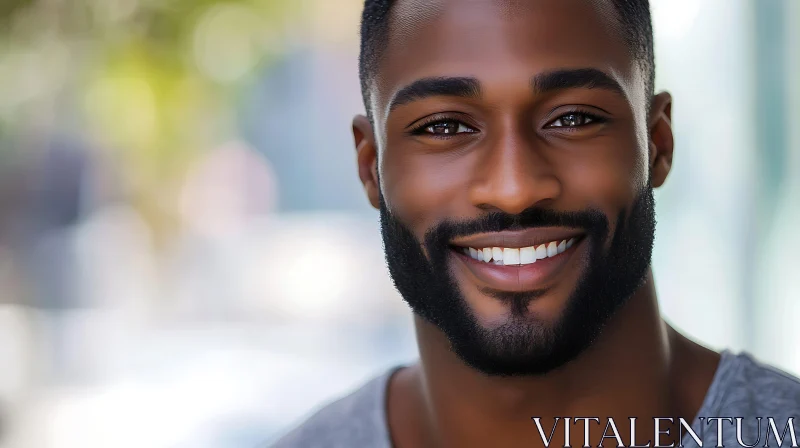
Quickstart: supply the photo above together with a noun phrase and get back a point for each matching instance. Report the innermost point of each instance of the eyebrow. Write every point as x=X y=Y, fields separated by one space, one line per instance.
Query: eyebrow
x=464 y=87
x=586 y=78
x=468 y=87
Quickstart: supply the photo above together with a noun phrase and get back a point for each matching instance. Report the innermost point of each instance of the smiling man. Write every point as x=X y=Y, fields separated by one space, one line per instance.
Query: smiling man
x=512 y=148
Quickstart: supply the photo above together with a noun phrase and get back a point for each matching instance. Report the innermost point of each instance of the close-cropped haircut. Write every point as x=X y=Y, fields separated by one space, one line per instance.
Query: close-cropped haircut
x=634 y=16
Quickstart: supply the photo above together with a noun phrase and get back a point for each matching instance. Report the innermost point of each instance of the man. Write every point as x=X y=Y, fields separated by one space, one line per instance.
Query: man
x=511 y=147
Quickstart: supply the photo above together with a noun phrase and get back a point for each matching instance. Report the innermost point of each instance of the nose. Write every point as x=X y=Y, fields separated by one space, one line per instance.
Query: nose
x=512 y=176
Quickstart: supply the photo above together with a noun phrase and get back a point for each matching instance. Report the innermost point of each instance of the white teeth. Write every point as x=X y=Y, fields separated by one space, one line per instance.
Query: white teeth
x=541 y=252
x=527 y=255
x=510 y=256
x=497 y=253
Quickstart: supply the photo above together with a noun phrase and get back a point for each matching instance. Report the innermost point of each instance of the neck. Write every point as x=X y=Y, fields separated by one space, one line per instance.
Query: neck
x=626 y=372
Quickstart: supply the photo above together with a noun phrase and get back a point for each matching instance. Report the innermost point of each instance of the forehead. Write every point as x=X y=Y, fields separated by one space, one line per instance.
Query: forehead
x=508 y=40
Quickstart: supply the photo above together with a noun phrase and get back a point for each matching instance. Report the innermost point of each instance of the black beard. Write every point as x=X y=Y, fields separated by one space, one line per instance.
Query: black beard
x=524 y=344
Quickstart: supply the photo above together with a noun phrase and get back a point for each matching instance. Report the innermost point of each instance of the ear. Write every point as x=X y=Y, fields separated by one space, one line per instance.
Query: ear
x=367 y=157
x=662 y=142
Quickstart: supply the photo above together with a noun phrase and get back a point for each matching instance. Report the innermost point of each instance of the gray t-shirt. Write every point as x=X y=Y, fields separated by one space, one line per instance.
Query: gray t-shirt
x=742 y=388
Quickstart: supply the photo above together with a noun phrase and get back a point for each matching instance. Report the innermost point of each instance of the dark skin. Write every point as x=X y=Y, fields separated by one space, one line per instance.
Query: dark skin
x=509 y=147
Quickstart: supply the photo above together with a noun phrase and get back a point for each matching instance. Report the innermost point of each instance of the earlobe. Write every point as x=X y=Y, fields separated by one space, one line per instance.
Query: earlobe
x=662 y=142
x=367 y=157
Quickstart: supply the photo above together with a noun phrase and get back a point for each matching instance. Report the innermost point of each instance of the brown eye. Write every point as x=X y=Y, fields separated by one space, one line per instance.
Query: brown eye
x=573 y=120
x=447 y=127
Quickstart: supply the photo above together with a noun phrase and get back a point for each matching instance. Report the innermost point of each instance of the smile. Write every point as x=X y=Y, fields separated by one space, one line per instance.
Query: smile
x=526 y=260
x=513 y=256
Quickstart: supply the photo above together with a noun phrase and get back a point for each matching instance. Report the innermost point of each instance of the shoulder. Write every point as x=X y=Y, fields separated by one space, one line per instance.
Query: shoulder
x=358 y=419
x=755 y=388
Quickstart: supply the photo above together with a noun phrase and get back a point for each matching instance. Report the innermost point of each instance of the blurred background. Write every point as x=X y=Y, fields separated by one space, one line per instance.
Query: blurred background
x=186 y=255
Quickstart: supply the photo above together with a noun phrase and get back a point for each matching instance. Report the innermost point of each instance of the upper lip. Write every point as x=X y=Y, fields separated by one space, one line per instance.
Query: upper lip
x=517 y=239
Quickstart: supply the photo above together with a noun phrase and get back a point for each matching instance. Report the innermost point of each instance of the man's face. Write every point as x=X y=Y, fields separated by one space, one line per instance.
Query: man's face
x=513 y=174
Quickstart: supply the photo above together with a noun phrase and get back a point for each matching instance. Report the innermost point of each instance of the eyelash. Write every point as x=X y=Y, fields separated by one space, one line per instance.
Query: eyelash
x=595 y=119
x=421 y=129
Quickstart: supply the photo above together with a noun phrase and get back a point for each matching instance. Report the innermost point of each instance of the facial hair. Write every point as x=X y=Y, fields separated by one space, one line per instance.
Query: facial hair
x=524 y=344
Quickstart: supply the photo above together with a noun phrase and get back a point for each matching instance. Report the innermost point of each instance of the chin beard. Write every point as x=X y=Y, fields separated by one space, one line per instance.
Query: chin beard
x=523 y=344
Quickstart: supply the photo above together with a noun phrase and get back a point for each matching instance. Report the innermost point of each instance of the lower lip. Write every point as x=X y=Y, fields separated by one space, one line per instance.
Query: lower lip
x=528 y=277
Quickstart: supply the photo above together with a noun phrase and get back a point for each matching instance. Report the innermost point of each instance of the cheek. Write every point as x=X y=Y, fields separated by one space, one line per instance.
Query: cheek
x=422 y=189
x=606 y=174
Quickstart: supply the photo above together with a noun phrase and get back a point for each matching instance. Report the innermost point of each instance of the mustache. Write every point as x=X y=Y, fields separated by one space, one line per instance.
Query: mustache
x=592 y=221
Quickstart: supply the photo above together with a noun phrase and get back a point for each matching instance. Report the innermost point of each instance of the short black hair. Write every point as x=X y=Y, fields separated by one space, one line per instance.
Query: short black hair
x=634 y=16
